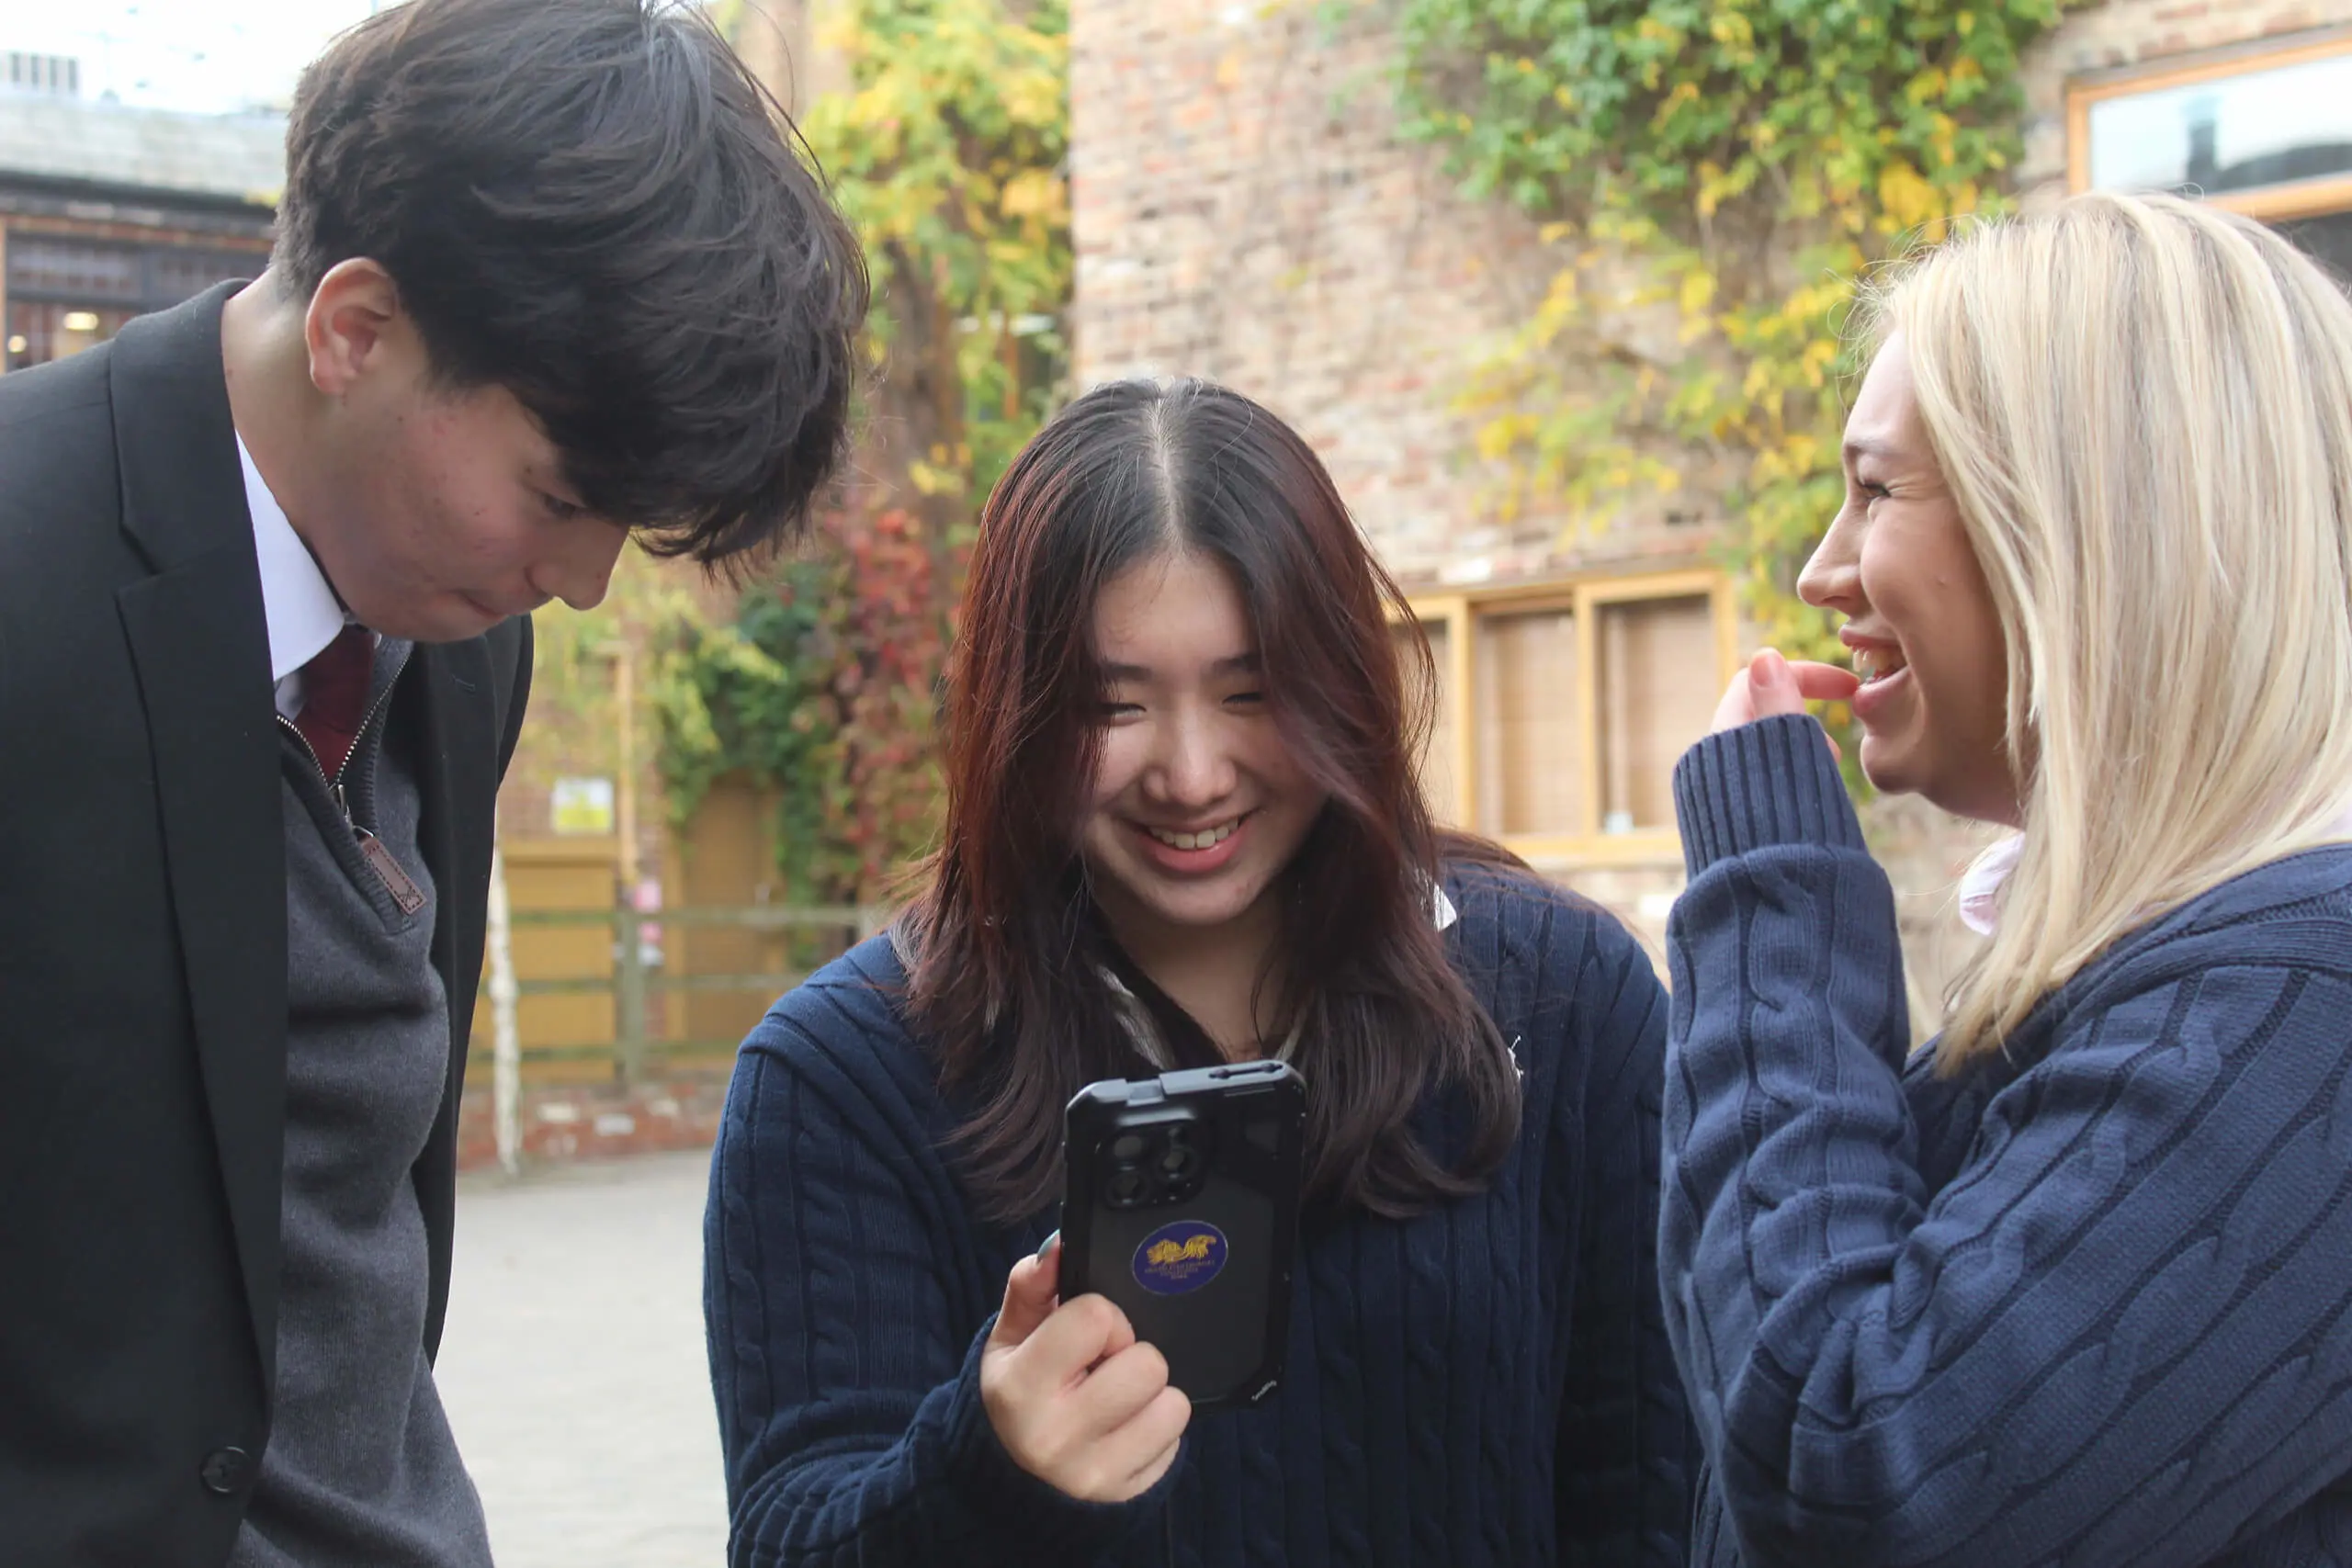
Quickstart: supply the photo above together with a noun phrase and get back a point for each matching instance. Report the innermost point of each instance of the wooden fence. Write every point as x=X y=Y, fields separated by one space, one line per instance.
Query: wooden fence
x=614 y=958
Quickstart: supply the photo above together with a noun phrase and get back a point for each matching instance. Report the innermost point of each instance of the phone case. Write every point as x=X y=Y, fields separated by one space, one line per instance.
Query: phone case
x=1181 y=1207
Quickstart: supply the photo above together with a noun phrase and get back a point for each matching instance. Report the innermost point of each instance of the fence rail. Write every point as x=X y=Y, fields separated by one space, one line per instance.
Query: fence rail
x=633 y=983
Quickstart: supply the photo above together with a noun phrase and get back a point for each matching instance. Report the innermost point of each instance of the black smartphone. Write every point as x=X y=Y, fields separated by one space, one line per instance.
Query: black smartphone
x=1181 y=1205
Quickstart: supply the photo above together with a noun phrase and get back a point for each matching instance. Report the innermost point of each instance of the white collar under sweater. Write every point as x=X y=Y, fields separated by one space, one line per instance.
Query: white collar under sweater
x=1136 y=1019
x=1980 y=885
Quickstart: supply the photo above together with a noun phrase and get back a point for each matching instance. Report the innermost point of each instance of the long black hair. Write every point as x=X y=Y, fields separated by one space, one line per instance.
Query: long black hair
x=595 y=205
x=1005 y=948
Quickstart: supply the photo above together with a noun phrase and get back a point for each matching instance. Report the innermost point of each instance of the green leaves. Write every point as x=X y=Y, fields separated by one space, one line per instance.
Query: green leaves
x=1738 y=164
x=947 y=151
x=822 y=693
x=1538 y=96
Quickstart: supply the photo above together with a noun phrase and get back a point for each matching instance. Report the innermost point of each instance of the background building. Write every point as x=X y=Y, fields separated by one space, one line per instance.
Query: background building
x=109 y=211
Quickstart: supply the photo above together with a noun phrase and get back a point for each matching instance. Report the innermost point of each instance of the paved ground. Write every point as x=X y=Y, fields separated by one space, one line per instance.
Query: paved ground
x=573 y=1366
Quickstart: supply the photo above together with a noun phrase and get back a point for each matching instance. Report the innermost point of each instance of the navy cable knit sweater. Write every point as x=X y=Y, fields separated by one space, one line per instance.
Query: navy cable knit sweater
x=2088 y=1304
x=1487 y=1384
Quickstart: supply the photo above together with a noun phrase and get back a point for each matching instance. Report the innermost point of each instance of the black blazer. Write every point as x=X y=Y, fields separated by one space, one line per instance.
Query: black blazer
x=142 y=950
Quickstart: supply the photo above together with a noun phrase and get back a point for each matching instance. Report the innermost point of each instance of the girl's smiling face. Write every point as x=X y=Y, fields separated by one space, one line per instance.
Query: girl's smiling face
x=1198 y=805
x=1926 y=635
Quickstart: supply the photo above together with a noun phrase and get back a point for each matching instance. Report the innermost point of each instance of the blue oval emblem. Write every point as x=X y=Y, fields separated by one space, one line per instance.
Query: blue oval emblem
x=1180 y=1258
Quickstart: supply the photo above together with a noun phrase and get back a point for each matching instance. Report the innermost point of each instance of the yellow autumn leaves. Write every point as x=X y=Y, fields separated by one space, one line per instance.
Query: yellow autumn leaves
x=1709 y=181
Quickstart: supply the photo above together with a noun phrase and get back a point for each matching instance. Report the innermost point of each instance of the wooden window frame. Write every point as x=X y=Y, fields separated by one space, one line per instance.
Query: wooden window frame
x=2269 y=203
x=1459 y=613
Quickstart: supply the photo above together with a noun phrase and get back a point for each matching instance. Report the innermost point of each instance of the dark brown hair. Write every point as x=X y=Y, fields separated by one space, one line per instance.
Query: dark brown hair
x=1005 y=947
x=595 y=205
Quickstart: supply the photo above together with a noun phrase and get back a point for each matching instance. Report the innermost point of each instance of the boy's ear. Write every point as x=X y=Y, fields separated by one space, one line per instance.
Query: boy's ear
x=354 y=325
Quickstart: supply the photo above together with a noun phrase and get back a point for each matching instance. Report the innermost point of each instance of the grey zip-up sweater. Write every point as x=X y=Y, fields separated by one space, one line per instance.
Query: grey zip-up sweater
x=361 y=1470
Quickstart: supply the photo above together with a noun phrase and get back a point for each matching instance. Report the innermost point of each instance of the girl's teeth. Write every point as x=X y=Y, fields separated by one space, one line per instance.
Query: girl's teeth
x=1872 y=665
x=1214 y=837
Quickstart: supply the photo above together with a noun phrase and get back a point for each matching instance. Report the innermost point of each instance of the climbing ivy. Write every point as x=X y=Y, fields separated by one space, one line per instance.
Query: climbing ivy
x=821 y=692
x=947 y=152
x=575 y=717
x=1711 y=178
x=945 y=147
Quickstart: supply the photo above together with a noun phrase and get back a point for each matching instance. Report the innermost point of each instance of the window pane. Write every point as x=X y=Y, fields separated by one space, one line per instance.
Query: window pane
x=66 y=269
x=1659 y=682
x=2265 y=128
x=1530 y=769
x=55 y=270
x=39 y=333
x=174 y=276
x=1437 y=761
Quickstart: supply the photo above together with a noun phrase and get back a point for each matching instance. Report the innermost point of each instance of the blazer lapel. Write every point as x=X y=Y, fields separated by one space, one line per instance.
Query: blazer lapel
x=456 y=736
x=201 y=644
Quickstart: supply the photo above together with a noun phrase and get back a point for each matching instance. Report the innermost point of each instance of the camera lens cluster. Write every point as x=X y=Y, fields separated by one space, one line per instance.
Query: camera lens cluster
x=1149 y=1165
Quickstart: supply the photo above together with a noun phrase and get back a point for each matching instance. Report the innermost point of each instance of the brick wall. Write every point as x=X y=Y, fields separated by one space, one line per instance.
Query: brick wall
x=1245 y=211
x=783 y=42
x=558 y=1123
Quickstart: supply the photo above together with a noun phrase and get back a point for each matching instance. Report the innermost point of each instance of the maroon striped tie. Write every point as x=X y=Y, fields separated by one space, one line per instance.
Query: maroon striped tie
x=334 y=696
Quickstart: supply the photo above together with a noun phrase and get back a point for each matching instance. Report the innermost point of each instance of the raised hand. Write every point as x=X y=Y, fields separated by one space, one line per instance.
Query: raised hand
x=1772 y=684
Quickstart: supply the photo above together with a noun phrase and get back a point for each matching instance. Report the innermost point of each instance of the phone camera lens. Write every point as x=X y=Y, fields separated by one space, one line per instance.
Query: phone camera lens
x=1127 y=1148
x=1179 y=1163
x=1128 y=1188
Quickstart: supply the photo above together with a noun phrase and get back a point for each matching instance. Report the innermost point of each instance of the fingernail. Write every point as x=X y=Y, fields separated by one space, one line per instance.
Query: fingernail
x=1774 y=665
x=1046 y=1248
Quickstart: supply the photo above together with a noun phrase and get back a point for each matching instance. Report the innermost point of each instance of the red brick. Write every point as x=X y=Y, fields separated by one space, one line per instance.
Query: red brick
x=558 y=1125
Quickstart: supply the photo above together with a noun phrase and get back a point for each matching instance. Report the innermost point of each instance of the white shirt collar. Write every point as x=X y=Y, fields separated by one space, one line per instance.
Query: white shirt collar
x=1136 y=1019
x=303 y=613
x=1980 y=885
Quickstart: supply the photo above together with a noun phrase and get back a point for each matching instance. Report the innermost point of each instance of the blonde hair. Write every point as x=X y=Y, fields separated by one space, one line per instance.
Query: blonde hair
x=2143 y=408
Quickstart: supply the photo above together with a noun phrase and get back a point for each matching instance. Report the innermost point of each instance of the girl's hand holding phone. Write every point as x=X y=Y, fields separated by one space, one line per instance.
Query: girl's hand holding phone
x=1075 y=1398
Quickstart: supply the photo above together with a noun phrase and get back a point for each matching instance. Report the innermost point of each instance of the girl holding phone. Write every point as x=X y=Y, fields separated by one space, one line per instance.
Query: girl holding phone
x=1182 y=829
x=2073 y=1284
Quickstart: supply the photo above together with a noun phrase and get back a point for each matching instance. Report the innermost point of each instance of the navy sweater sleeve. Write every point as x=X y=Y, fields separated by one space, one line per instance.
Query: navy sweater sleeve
x=1624 y=1459
x=850 y=1411
x=2113 y=1337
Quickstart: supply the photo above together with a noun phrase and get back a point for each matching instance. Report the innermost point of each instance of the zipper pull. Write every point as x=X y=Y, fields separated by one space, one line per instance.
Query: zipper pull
x=334 y=790
x=405 y=893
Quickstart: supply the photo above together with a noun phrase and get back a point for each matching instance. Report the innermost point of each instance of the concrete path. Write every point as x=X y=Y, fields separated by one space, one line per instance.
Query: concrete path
x=573 y=1367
